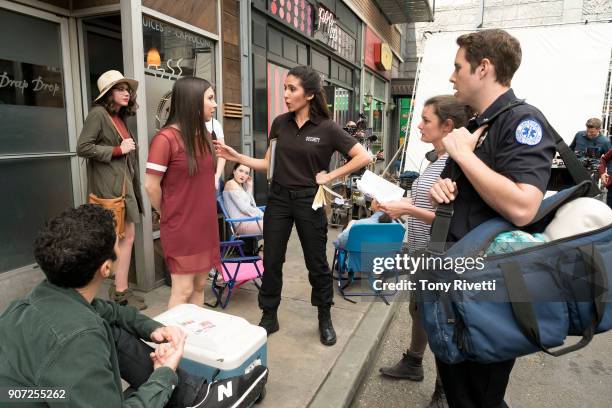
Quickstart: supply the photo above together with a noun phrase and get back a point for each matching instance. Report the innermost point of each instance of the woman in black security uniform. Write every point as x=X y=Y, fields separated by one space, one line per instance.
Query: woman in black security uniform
x=306 y=139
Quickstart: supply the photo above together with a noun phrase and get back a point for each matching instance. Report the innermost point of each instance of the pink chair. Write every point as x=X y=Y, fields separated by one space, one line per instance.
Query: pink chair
x=235 y=271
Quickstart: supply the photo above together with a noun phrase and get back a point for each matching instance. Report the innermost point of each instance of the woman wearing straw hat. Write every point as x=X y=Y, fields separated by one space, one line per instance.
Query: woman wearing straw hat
x=112 y=166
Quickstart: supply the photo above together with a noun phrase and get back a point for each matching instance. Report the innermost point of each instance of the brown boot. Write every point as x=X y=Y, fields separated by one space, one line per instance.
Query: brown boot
x=112 y=290
x=127 y=298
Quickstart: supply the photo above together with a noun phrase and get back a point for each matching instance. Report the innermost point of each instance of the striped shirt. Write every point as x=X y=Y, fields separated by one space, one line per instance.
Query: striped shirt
x=417 y=230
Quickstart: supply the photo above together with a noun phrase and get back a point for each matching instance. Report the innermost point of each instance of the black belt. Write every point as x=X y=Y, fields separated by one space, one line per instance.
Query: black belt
x=294 y=193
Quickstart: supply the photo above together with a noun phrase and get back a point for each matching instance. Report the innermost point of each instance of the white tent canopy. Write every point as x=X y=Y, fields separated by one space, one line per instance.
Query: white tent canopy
x=563 y=73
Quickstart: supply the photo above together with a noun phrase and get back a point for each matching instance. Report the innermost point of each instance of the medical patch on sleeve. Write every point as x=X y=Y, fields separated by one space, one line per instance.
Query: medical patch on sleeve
x=529 y=132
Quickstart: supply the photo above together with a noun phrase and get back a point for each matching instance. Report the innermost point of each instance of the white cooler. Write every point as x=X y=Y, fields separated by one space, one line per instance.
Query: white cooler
x=217 y=343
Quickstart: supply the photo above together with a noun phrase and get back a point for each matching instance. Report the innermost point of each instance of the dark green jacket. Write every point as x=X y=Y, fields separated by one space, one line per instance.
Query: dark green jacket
x=55 y=338
x=105 y=173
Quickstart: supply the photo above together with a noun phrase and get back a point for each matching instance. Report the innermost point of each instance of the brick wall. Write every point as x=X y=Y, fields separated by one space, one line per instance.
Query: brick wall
x=230 y=38
x=369 y=11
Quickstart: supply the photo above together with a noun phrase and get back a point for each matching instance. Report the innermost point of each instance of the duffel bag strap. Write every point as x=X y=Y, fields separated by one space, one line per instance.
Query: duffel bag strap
x=597 y=278
x=439 y=229
x=523 y=311
x=525 y=316
x=444 y=212
x=574 y=167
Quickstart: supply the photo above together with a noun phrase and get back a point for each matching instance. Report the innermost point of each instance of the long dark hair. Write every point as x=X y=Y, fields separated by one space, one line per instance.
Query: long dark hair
x=186 y=111
x=448 y=107
x=236 y=165
x=311 y=82
x=107 y=103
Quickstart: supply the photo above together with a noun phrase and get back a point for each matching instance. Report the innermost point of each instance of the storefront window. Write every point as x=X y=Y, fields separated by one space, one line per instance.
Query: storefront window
x=405 y=105
x=171 y=53
x=39 y=189
x=338 y=101
x=377 y=110
x=276 y=92
x=34 y=122
x=31 y=87
x=374 y=108
x=330 y=33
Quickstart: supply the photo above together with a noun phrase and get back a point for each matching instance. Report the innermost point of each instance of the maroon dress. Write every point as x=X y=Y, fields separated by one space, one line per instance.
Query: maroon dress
x=188 y=228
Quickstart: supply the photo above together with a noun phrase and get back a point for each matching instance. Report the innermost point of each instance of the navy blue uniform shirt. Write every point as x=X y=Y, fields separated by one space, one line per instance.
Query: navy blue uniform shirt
x=518 y=145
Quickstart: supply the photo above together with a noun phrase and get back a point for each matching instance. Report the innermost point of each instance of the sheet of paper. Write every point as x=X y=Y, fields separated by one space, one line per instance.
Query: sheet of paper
x=377 y=187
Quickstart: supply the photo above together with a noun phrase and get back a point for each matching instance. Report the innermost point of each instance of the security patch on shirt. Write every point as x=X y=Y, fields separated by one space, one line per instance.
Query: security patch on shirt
x=529 y=132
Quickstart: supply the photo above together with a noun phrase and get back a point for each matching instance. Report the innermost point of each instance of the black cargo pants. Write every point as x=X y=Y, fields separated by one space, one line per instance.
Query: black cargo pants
x=286 y=206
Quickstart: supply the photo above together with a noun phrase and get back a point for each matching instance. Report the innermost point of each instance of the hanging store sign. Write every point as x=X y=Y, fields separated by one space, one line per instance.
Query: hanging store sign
x=375 y=54
x=27 y=84
x=383 y=57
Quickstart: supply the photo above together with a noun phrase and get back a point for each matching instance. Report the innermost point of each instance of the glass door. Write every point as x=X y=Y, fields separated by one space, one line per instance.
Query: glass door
x=38 y=164
x=102 y=51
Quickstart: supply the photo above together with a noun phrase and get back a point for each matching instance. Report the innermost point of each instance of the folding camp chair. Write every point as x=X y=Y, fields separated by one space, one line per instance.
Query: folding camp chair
x=235 y=271
x=234 y=223
x=236 y=267
x=365 y=243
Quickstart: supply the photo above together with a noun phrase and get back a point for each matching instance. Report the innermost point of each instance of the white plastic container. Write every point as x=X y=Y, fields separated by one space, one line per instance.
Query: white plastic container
x=218 y=345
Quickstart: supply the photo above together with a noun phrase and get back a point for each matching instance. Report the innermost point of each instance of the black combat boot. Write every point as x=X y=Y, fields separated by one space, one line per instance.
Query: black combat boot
x=326 y=329
x=269 y=321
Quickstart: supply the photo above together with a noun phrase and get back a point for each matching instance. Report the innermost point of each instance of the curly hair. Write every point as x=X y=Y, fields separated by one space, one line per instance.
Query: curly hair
x=72 y=246
x=107 y=103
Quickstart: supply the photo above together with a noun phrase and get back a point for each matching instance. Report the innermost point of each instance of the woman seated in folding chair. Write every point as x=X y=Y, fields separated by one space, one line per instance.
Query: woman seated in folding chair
x=378 y=217
x=441 y=114
x=239 y=201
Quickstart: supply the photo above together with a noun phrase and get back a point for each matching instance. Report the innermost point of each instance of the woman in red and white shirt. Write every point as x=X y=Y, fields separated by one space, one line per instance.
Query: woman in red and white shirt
x=180 y=184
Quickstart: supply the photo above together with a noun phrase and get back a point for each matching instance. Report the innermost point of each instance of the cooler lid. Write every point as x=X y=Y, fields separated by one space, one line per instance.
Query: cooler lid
x=215 y=339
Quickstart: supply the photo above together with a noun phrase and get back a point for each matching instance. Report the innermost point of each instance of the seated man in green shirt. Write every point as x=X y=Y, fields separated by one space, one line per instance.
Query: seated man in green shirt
x=61 y=337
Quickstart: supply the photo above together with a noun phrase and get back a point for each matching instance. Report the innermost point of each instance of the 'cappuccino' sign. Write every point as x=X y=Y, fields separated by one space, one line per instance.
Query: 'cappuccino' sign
x=168 y=30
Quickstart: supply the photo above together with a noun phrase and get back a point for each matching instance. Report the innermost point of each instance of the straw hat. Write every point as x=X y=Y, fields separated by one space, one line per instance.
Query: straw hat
x=111 y=78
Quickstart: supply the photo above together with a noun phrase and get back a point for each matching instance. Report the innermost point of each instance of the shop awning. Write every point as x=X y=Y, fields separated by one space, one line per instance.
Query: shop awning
x=402 y=86
x=406 y=11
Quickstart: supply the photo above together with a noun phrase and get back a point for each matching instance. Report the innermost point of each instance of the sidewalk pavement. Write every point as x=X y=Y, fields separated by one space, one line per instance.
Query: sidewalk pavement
x=299 y=364
x=577 y=380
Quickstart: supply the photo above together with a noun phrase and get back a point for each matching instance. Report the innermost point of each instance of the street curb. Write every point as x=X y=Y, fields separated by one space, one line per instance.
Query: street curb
x=342 y=382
